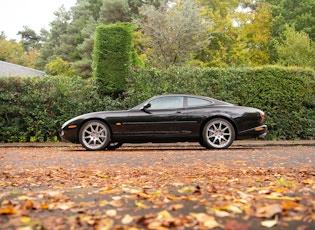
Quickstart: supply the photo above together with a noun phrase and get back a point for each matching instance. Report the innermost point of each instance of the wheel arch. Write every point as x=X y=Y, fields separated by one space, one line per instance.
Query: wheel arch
x=221 y=117
x=94 y=119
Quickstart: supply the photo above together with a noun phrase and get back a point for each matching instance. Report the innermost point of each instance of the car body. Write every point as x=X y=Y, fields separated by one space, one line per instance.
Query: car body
x=167 y=118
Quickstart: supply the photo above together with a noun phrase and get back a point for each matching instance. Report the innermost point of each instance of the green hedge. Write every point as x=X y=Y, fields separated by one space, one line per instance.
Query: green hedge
x=34 y=108
x=287 y=95
x=112 y=57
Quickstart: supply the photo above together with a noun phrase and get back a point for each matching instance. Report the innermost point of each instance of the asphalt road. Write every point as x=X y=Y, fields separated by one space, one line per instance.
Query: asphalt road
x=145 y=156
x=158 y=187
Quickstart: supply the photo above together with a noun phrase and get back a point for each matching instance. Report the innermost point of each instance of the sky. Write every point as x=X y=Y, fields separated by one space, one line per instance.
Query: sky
x=36 y=14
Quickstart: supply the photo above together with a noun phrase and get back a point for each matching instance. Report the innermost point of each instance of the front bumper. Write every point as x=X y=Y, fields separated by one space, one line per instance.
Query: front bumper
x=69 y=135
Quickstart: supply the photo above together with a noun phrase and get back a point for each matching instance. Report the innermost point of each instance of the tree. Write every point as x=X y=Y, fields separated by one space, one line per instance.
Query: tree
x=175 y=32
x=240 y=33
x=83 y=66
x=222 y=30
x=297 y=49
x=100 y=12
x=113 y=11
x=71 y=36
x=2 y=35
x=297 y=13
x=257 y=35
x=59 y=67
x=52 y=48
x=12 y=51
x=30 y=39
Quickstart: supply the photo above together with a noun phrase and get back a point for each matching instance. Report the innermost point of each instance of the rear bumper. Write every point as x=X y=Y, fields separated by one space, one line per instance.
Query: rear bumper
x=263 y=135
x=260 y=131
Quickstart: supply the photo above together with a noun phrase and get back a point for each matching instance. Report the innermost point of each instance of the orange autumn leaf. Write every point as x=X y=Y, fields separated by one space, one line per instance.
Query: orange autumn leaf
x=9 y=210
x=206 y=220
x=268 y=211
x=307 y=181
x=287 y=205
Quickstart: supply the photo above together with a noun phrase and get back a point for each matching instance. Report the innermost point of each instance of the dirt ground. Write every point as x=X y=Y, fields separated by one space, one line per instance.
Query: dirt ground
x=158 y=187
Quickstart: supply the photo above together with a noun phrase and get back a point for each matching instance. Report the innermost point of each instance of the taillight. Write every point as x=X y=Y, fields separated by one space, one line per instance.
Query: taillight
x=262 y=115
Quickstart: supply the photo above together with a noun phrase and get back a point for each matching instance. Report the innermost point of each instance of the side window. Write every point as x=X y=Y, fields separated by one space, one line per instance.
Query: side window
x=197 y=102
x=171 y=102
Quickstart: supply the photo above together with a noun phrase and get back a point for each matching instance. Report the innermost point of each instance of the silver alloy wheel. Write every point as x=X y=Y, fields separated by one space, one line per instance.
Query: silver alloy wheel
x=218 y=133
x=95 y=135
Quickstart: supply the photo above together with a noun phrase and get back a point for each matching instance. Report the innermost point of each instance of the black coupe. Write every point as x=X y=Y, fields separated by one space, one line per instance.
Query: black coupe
x=167 y=118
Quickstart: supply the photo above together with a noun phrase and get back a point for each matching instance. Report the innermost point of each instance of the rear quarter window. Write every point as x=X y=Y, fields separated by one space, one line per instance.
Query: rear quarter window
x=197 y=102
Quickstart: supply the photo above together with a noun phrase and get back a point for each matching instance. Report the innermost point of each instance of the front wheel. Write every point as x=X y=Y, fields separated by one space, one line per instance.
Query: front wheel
x=218 y=134
x=94 y=135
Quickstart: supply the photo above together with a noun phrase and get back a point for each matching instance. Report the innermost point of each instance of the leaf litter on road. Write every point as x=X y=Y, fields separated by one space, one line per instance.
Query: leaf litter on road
x=161 y=196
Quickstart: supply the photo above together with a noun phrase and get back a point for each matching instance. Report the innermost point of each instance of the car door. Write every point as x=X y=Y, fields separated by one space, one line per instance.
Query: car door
x=158 y=121
x=195 y=111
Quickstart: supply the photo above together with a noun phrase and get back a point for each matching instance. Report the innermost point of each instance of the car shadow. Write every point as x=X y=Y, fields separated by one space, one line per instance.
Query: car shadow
x=160 y=148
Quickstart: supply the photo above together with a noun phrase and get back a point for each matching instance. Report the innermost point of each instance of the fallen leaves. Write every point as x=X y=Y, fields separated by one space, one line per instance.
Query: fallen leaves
x=8 y=210
x=138 y=206
x=268 y=211
x=127 y=219
x=162 y=196
x=270 y=223
x=206 y=220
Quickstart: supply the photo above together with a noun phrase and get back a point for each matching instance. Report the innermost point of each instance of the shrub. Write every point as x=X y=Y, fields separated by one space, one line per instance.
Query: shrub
x=285 y=94
x=36 y=107
x=112 y=57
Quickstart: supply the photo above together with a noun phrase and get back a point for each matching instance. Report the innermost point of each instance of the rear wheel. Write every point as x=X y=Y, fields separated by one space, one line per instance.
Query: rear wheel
x=94 y=135
x=218 y=133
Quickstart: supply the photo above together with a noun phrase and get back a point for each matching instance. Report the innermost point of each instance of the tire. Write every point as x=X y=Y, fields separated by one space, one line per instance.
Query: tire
x=114 y=145
x=202 y=143
x=218 y=133
x=94 y=135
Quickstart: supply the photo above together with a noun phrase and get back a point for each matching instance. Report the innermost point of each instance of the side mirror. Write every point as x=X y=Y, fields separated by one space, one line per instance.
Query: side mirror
x=146 y=106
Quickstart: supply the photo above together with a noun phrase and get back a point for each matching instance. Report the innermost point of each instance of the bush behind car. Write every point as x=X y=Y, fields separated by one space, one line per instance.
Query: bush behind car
x=33 y=108
x=287 y=95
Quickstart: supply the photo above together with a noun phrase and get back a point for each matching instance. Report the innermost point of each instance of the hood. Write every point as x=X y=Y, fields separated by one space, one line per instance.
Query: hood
x=101 y=115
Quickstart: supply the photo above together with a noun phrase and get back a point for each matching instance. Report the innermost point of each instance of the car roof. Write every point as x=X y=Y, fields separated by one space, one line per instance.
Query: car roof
x=215 y=101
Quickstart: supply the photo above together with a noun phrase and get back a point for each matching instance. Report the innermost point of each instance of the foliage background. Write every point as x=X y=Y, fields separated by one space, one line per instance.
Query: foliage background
x=235 y=33
x=34 y=108
x=287 y=95
x=229 y=62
